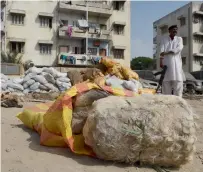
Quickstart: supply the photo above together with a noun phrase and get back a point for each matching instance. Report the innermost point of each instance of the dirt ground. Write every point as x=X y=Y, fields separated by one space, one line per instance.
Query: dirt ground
x=21 y=151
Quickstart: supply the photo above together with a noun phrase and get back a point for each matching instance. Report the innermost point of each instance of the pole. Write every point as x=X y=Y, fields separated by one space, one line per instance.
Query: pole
x=87 y=28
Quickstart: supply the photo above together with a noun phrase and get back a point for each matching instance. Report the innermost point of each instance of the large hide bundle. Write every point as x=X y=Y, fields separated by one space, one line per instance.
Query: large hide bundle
x=151 y=129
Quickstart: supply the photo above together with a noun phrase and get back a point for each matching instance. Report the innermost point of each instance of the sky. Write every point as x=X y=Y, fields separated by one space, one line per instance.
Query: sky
x=142 y=23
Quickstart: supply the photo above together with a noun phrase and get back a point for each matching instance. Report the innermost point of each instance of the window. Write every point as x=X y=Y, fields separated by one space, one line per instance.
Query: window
x=45 y=22
x=76 y=50
x=118 y=54
x=164 y=29
x=65 y=22
x=198 y=59
x=198 y=39
x=92 y=51
x=119 y=5
x=182 y=21
x=2 y=16
x=17 y=47
x=75 y=24
x=45 y=49
x=17 y=19
x=118 y=30
x=184 y=60
x=184 y=40
x=103 y=27
x=63 y=49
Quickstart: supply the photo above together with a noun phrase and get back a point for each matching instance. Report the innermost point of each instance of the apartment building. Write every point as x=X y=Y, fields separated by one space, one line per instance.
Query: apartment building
x=44 y=30
x=189 y=19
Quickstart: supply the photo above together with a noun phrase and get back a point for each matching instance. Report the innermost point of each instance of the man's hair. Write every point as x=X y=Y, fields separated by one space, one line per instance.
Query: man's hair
x=172 y=27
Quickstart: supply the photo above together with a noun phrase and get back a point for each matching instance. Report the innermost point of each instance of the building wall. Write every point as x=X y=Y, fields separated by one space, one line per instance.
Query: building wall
x=197 y=47
x=124 y=40
x=31 y=30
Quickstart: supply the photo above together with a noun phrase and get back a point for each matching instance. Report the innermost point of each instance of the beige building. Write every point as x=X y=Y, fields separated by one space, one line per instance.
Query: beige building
x=189 y=19
x=45 y=30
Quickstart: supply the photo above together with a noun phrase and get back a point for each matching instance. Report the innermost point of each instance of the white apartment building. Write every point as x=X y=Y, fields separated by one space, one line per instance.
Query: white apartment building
x=43 y=30
x=189 y=19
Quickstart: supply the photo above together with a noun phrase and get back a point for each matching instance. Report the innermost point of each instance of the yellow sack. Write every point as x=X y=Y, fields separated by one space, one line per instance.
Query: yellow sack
x=129 y=74
x=32 y=117
x=107 y=62
x=53 y=120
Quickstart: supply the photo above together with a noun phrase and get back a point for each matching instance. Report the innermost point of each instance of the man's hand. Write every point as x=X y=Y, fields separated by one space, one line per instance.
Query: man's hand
x=170 y=52
x=166 y=53
x=162 y=54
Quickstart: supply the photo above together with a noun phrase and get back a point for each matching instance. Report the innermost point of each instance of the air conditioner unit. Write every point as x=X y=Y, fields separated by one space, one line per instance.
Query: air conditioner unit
x=98 y=31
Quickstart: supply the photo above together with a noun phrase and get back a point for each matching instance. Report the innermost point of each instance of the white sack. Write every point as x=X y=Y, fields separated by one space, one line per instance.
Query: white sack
x=33 y=70
x=151 y=129
x=4 y=77
x=130 y=85
x=43 y=87
x=62 y=75
x=26 y=91
x=49 y=78
x=114 y=82
x=40 y=79
x=51 y=87
x=3 y=86
x=17 y=80
x=28 y=83
x=15 y=86
x=51 y=71
x=63 y=79
x=28 y=77
x=10 y=89
x=34 y=86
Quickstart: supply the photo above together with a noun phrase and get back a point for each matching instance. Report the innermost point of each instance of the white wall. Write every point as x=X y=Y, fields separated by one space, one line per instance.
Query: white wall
x=123 y=16
x=31 y=30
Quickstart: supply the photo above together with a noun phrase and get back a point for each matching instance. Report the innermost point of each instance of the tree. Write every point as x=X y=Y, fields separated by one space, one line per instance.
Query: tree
x=141 y=63
x=11 y=58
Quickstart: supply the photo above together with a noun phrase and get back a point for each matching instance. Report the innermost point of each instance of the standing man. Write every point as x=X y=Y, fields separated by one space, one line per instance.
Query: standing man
x=171 y=47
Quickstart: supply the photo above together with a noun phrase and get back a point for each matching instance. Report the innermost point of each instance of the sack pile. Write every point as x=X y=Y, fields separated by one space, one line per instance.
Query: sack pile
x=37 y=80
x=151 y=129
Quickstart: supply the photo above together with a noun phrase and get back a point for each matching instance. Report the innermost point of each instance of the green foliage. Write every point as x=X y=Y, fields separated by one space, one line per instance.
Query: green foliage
x=141 y=63
x=11 y=58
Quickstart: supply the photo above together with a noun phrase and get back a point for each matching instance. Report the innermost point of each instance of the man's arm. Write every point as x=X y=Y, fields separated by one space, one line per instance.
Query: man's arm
x=178 y=48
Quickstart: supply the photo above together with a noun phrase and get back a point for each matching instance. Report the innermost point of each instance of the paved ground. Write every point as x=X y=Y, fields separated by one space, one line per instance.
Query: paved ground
x=21 y=151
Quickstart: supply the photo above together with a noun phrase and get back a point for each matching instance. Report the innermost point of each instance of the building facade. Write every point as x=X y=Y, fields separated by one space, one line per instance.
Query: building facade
x=44 y=30
x=189 y=19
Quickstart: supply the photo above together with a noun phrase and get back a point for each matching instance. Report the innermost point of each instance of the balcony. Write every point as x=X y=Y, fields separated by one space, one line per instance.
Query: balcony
x=3 y=4
x=155 y=40
x=94 y=8
x=198 y=54
x=2 y=27
x=198 y=33
x=81 y=34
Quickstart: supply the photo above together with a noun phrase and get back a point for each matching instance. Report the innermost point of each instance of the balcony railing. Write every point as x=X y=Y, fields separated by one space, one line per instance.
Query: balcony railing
x=155 y=40
x=93 y=8
x=79 y=33
x=2 y=27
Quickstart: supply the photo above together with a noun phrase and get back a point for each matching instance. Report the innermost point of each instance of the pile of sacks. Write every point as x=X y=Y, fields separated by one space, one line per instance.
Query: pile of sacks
x=37 y=80
x=11 y=85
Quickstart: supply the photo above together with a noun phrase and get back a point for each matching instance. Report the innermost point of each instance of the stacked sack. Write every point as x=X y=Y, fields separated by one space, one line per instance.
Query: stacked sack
x=11 y=85
x=45 y=79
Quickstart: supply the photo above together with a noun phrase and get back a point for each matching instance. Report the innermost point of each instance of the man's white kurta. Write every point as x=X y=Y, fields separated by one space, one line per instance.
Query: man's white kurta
x=173 y=62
